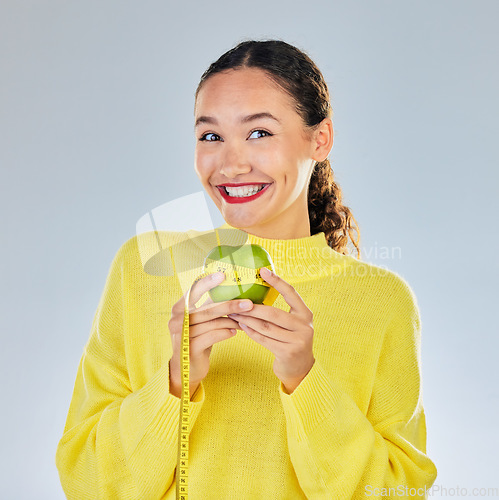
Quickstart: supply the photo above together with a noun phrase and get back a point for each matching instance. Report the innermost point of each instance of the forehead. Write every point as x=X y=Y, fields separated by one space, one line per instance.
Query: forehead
x=242 y=87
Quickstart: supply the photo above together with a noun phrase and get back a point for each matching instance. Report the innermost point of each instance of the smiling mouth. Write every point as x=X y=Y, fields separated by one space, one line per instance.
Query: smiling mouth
x=242 y=195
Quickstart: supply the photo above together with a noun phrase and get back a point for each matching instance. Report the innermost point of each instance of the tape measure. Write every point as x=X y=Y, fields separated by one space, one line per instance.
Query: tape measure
x=183 y=429
x=234 y=274
x=237 y=275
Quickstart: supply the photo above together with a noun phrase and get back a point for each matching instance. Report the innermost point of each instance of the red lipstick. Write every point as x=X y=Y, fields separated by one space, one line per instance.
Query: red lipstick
x=241 y=199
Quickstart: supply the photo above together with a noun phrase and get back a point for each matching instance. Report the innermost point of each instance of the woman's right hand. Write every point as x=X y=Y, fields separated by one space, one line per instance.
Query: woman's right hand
x=207 y=325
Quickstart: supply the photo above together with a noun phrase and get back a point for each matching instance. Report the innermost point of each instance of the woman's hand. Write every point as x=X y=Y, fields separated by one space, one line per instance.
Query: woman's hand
x=288 y=335
x=207 y=325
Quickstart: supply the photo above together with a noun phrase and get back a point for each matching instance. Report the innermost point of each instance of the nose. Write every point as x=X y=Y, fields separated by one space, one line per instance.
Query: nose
x=234 y=162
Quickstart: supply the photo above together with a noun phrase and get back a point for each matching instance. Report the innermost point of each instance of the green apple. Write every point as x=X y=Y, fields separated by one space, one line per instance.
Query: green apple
x=248 y=258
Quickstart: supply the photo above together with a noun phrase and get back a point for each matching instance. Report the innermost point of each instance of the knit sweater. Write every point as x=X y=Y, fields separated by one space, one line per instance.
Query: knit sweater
x=353 y=428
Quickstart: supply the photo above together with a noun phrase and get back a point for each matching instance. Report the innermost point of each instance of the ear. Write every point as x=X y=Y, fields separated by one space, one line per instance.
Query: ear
x=322 y=142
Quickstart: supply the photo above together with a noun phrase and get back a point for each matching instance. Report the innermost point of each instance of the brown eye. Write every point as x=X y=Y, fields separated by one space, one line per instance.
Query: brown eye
x=209 y=137
x=260 y=132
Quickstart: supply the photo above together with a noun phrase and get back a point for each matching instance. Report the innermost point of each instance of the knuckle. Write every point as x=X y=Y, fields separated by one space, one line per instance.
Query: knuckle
x=219 y=323
x=307 y=329
x=274 y=314
x=205 y=315
x=173 y=326
x=210 y=313
x=234 y=307
x=194 y=331
x=310 y=315
x=265 y=325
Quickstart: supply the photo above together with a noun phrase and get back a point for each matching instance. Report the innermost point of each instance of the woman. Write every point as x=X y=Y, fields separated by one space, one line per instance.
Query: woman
x=317 y=396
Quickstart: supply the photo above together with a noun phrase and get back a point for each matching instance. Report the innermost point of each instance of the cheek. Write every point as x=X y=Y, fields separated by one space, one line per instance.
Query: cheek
x=202 y=166
x=269 y=160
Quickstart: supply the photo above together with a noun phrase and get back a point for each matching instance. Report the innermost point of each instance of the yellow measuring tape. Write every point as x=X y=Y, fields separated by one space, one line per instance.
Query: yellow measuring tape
x=183 y=431
x=234 y=276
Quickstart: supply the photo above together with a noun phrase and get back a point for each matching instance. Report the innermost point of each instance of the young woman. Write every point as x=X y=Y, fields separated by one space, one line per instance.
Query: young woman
x=316 y=396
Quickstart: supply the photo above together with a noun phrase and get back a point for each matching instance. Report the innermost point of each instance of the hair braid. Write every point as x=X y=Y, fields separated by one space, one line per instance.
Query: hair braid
x=326 y=211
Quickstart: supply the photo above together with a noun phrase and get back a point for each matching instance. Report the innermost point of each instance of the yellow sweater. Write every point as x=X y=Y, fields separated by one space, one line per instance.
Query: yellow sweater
x=353 y=428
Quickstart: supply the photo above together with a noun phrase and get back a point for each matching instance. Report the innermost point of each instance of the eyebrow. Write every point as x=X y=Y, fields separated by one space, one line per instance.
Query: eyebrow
x=244 y=119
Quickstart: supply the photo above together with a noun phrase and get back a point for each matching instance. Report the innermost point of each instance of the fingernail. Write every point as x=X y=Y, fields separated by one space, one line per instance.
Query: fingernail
x=265 y=271
x=246 y=304
x=233 y=331
x=217 y=276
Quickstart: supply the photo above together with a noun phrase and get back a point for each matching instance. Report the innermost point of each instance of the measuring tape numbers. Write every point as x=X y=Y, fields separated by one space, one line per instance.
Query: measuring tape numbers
x=183 y=430
x=234 y=276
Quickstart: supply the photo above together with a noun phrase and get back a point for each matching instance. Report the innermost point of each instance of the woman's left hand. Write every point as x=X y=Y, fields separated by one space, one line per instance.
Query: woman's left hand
x=288 y=335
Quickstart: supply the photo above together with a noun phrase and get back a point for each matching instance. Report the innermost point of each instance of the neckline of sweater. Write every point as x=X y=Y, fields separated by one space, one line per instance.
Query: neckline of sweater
x=303 y=258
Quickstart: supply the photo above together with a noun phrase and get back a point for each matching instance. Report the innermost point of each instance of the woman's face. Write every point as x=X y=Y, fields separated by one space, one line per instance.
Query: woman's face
x=248 y=132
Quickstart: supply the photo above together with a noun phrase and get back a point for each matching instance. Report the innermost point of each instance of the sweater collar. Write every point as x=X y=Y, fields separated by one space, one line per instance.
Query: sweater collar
x=300 y=259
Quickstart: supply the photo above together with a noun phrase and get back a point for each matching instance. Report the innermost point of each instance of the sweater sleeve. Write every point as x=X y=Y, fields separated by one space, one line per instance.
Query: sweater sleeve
x=118 y=442
x=338 y=451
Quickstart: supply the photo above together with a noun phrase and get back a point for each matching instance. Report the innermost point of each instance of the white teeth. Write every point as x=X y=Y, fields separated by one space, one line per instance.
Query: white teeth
x=240 y=192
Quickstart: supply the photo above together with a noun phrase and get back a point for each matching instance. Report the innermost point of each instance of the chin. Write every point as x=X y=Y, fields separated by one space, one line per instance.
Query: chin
x=240 y=222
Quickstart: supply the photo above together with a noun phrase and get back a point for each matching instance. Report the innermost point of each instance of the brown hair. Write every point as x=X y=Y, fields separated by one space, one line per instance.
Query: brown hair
x=297 y=74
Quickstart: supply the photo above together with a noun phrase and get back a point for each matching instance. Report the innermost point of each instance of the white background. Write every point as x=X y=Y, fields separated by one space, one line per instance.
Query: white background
x=96 y=129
